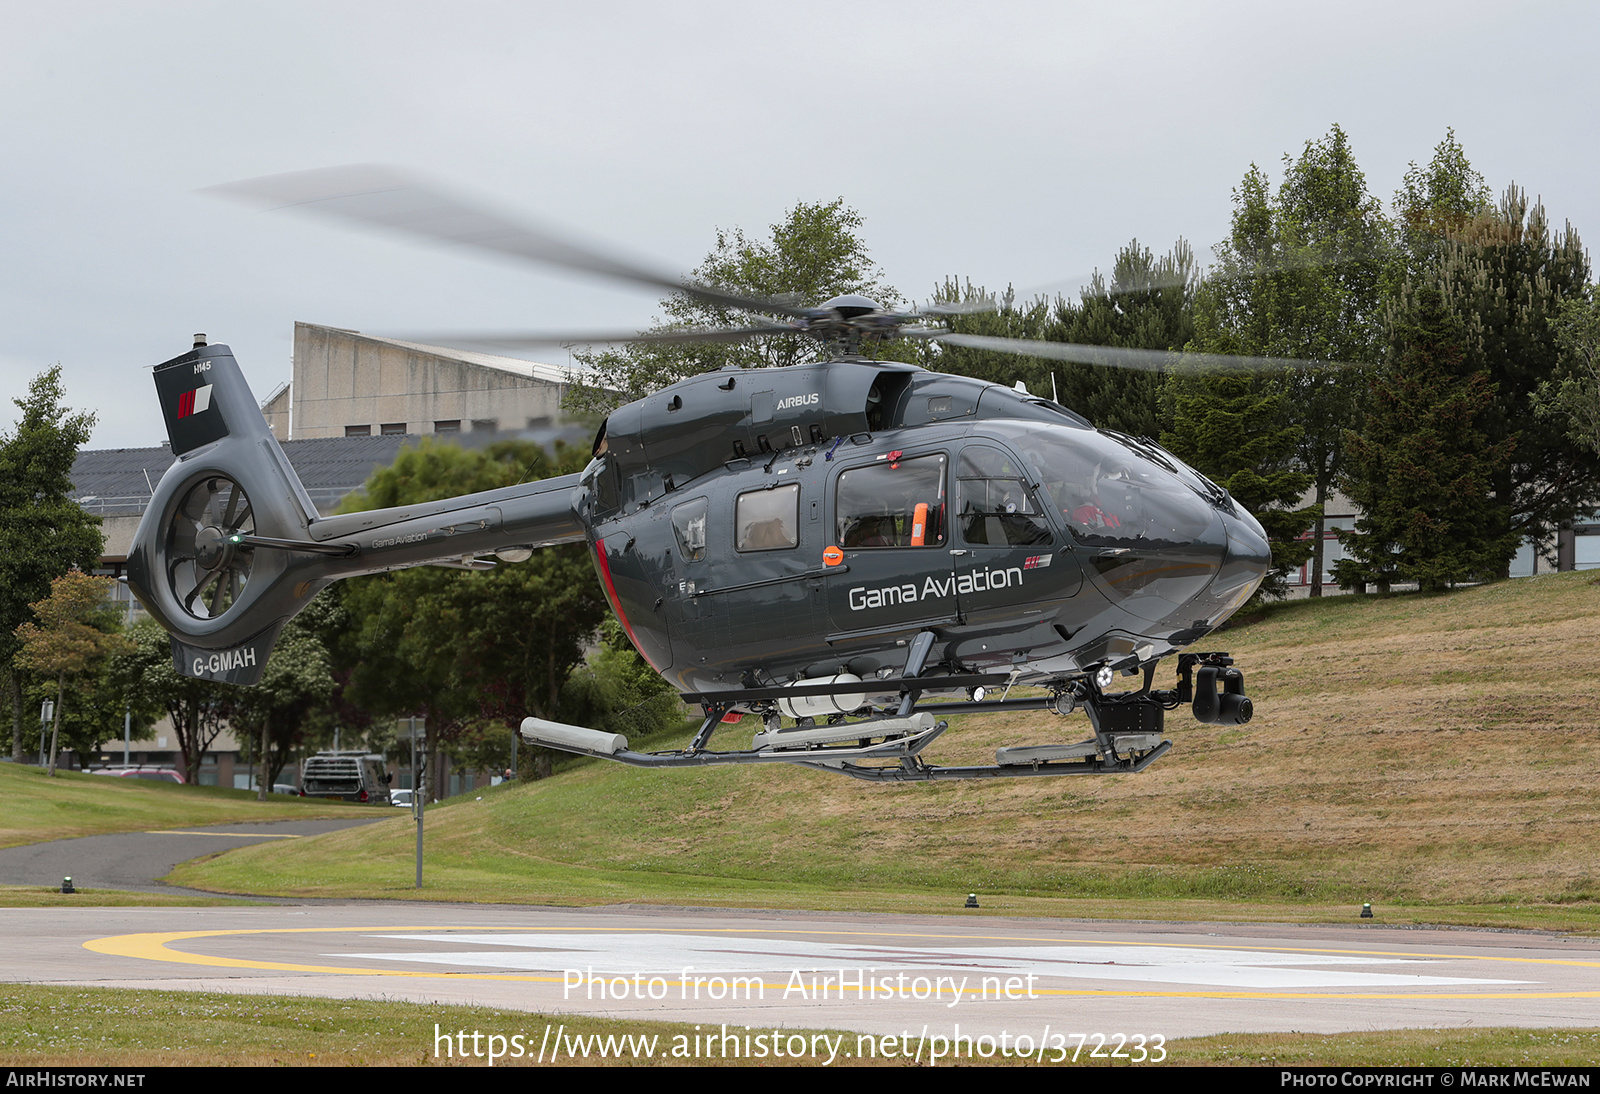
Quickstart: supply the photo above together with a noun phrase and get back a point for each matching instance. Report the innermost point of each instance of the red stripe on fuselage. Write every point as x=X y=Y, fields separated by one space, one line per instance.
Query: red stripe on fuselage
x=616 y=601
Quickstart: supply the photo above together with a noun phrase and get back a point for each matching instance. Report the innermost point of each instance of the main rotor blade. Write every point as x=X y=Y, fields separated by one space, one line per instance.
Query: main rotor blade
x=517 y=340
x=1081 y=285
x=1147 y=360
x=386 y=198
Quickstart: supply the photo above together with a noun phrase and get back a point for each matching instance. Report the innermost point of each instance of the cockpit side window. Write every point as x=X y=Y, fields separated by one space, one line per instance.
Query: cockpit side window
x=689 y=525
x=600 y=479
x=997 y=508
x=768 y=520
x=892 y=503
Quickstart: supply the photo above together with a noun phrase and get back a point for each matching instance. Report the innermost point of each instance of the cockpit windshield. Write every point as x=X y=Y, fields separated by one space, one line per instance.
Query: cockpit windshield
x=1108 y=493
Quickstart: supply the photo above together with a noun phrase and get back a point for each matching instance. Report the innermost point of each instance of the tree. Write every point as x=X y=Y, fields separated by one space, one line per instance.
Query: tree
x=198 y=709
x=43 y=533
x=1504 y=276
x=1006 y=320
x=1433 y=203
x=463 y=649
x=1148 y=304
x=1234 y=429
x=1422 y=466
x=295 y=685
x=814 y=255
x=1300 y=277
x=76 y=632
x=1573 y=397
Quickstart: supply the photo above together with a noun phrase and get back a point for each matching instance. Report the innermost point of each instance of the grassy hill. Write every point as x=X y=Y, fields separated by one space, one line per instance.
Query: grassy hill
x=1433 y=752
x=37 y=807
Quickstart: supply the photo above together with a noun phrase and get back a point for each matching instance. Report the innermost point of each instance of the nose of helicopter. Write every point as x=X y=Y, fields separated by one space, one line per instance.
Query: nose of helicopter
x=1243 y=568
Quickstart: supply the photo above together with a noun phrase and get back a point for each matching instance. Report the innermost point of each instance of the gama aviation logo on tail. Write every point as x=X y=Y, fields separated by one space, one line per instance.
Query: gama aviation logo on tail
x=194 y=402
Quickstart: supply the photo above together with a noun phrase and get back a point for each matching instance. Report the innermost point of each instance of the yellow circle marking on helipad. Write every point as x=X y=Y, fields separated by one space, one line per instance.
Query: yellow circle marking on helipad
x=153 y=946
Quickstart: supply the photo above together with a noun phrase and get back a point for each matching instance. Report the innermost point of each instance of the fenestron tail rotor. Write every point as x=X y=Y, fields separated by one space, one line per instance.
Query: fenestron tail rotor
x=207 y=566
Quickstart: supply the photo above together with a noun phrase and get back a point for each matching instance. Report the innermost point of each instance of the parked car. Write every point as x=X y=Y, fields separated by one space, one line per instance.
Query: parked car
x=400 y=798
x=352 y=776
x=136 y=771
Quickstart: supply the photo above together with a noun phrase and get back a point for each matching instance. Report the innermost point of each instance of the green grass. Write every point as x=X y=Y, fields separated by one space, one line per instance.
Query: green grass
x=38 y=807
x=126 y=1028
x=131 y=1028
x=29 y=896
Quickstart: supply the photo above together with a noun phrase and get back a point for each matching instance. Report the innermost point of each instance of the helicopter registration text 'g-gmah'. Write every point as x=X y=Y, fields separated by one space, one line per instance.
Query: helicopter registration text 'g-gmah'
x=847 y=550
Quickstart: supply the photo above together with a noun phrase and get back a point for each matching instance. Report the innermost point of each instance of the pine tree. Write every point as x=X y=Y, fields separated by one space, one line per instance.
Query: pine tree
x=1234 y=429
x=1422 y=467
x=1504 y=277
x=1147 y=304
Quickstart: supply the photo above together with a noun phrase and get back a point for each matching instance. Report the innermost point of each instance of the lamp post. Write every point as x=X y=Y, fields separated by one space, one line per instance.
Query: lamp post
x=46 y=712
x=419 y=792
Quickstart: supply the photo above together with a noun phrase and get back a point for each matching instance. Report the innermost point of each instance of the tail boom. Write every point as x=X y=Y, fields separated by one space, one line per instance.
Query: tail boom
x=231 y=546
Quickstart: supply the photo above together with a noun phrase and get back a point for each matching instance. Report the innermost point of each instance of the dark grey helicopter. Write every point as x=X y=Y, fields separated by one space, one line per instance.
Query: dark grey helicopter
x=848 y=549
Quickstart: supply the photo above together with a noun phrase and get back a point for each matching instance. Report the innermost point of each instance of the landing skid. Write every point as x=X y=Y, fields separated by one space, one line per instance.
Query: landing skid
x=889 y=748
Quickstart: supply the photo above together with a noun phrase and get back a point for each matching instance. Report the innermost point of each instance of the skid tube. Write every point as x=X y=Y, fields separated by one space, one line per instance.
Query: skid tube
x=914 y=730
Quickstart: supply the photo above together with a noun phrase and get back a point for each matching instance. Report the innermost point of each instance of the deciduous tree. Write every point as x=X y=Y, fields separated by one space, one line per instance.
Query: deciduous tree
x=465 y=648
x=77 y=630
x=817 y=253
x=198 y=709
x=1573 y=397
x=43 y=533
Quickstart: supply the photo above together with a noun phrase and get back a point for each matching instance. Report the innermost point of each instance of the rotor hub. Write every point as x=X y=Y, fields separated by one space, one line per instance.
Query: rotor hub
x=212 y=548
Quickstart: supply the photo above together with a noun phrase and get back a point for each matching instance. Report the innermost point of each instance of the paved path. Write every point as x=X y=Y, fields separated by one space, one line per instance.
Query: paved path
x=885 y=975
x=137 y=860
x=923 y=977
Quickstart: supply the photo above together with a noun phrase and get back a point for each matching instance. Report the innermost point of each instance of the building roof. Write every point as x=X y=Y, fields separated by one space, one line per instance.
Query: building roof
x=119 y=481
x=528 y=370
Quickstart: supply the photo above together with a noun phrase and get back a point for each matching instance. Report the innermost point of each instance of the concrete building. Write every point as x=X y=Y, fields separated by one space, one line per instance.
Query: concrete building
x=1575 y=548
x=349 y=384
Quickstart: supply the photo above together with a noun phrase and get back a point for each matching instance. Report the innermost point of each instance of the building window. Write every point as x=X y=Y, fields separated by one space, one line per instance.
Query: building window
x=485 y=425
x=358 y=431
x=392 y=429
x=452 y=426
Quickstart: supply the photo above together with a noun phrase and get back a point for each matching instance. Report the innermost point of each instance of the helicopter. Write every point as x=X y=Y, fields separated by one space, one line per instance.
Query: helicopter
x=849 y=550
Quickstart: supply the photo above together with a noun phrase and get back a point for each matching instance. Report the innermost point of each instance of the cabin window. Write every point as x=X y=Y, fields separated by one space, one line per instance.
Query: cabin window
x=689 y=525
x=892 y=503
x=997 y=508
x=768 y=520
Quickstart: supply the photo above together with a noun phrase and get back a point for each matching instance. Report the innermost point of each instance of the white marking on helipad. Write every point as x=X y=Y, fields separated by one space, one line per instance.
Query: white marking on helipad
x=669 y=954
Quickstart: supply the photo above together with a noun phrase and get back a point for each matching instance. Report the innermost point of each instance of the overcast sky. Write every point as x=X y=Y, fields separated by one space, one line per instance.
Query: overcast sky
x=1010 y=143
